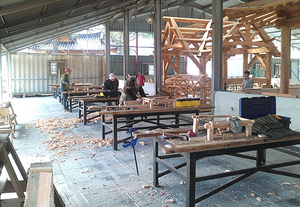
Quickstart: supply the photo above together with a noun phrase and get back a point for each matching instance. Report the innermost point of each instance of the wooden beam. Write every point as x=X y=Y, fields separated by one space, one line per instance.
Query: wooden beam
x=177 y=58
x=285 y=60
x=269 y=69
x=208 y=26
x=250 y=51
x=261 y=60
x=252 y=62
x=245 y=62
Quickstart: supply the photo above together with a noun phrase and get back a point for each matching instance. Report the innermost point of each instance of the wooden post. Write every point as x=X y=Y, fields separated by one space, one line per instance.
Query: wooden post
x=196 y=124
x=177 y=57
x=269 y=69
x=245 y=62
x=165 y=69
x=210 y=133
x=285 y=60
x=202 y=61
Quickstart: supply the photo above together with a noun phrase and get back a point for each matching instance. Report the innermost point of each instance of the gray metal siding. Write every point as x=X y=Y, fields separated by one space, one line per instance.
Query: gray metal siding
x=30 y=72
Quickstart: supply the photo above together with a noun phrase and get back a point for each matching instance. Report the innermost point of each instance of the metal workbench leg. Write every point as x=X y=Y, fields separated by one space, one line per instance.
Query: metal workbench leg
x=103 y=126
x=155 y=164
x=260 y=157
x=70 y=101
x=84 y=112
x=177 y=119
x=158 y=121
x=115 y=132
x=190 y=181
x=79 y=109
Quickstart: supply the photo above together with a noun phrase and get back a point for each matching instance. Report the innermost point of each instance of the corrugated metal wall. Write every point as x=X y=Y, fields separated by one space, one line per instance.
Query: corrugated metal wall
x=30 y=72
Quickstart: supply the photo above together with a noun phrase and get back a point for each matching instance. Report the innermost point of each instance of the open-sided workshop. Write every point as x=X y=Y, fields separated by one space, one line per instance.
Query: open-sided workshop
x=149 y=103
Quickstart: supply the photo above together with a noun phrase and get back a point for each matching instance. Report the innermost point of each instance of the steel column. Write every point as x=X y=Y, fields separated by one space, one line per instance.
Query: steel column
x=1 y=91
x=107 y=50
x=157 y=48
x=217 y=48
x=126 y=43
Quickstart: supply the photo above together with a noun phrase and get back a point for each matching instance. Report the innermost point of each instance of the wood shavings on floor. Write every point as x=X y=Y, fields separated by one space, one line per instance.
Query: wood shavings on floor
x=62 y=141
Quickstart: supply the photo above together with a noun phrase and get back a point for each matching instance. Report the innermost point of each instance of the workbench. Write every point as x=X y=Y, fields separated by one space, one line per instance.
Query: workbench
x=197 y=151
x=149 y=116
x=83 y=104
x=71 y=94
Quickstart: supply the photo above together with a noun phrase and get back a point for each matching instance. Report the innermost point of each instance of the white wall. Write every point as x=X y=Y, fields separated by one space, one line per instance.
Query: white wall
x=228 y=103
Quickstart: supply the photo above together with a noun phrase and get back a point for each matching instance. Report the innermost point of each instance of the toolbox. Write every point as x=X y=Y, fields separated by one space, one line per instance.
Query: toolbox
x=254 y=107
x=187 y=102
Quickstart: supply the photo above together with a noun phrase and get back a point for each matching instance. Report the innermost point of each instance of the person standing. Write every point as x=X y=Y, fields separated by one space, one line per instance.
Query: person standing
x=111 y=86
x=140 y=82
x=64 y=86
x=247 y=82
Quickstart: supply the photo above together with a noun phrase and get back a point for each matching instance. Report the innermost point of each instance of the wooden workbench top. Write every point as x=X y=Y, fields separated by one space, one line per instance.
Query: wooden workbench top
x=139 y=111
x=97 y=99
x=178 y=146
x=83 y=92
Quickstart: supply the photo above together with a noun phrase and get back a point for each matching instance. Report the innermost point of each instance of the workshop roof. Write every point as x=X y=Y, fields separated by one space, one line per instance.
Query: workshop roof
x=25 y=23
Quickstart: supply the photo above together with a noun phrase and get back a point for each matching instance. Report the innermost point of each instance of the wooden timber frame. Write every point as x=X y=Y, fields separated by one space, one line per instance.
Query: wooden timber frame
x=184 y=85
x=195 y=42
x=283 y=14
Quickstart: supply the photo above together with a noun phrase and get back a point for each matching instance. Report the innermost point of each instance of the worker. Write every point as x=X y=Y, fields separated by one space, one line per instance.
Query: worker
x=64 y=86
x=131 y=89
x=140 y=82
x=111 y=86
x=247 y=82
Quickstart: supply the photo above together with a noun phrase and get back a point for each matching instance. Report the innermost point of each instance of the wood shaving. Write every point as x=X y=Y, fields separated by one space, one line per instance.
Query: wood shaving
x=253 y=194
x=144 y=155
x=170 y=201
x=86 y=170
x=271 y=193
x=259 y=199
x=61 y=141
x=143 y=143
x=286 y=183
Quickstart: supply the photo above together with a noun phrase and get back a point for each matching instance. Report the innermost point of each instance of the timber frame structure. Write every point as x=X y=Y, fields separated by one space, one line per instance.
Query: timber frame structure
x=283 y=14
x=195 y=41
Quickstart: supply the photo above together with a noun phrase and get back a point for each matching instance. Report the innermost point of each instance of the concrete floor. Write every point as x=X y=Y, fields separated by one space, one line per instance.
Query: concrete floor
x=92 y=177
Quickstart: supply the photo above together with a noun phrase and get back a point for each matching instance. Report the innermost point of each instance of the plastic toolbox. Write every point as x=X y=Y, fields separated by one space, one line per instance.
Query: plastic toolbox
x=187 y=102
x=254 y=107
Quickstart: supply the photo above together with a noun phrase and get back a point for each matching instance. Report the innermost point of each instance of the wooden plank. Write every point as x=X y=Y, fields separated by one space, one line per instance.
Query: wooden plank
x=280 y=95
x=40 y=167
x=159 y=132
x=82 y=79
x=169 y=149
x=45 y=196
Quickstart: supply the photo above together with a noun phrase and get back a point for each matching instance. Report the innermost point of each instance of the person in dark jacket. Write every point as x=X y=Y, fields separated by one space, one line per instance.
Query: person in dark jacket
x=131 y=89
x=111 y=86
x=64 y=86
